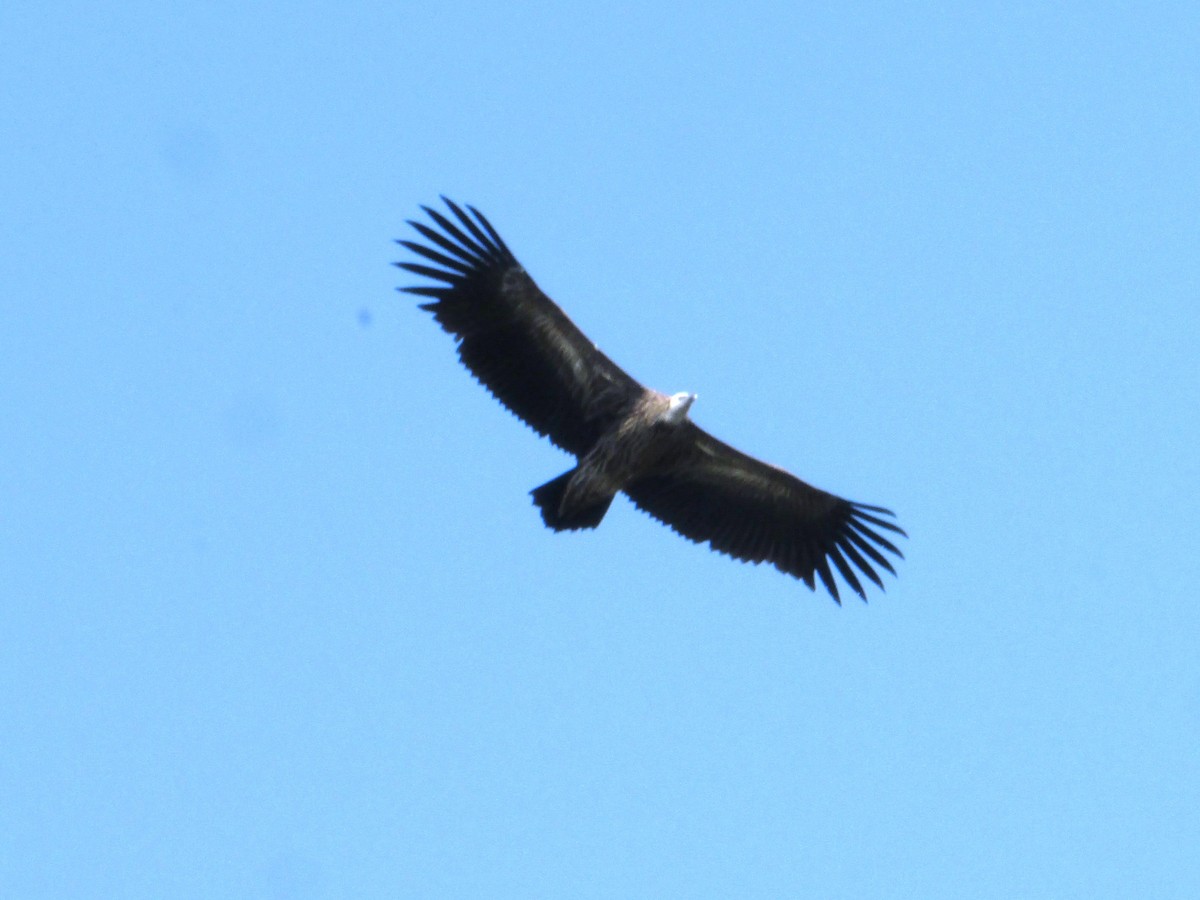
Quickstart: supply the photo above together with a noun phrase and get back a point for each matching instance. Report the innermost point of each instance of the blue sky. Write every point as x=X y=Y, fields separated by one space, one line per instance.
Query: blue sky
x=278 y=618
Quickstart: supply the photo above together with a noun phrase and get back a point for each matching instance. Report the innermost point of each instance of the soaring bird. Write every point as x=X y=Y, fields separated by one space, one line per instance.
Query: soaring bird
x=627 y=437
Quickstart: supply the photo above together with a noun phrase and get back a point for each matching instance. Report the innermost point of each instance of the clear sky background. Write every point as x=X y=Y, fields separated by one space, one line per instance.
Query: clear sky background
x=278 y=618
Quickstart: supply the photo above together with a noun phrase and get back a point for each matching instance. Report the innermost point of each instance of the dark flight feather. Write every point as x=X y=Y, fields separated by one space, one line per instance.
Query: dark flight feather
x=513 y=338
x=533 y=359
x=757 y=512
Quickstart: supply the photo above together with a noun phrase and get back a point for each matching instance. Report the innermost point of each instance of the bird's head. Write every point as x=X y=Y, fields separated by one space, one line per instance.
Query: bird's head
x=678 y=406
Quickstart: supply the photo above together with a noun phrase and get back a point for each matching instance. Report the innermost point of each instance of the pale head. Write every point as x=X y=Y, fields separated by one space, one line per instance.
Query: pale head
x=678 y=406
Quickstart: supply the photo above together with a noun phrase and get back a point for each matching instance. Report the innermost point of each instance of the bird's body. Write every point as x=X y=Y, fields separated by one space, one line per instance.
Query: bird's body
x=641 y=440
x=626 y=437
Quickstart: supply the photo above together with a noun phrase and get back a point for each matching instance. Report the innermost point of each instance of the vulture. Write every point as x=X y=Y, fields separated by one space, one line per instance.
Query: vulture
x=626 y=437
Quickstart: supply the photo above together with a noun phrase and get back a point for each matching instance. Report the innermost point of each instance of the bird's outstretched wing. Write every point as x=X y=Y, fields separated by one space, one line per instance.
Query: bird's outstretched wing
x=511 y=336
x=759 y=513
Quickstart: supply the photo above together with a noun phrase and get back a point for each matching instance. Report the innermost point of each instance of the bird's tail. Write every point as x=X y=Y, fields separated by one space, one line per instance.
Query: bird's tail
x=549 y=499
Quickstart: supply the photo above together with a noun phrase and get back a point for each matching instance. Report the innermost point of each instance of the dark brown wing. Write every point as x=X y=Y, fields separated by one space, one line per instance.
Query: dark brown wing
x=757 y=512
x=511 y=336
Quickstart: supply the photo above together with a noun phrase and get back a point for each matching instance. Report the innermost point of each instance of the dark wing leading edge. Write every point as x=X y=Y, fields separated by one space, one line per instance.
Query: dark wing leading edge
x=511 y=336
x=756 y=512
